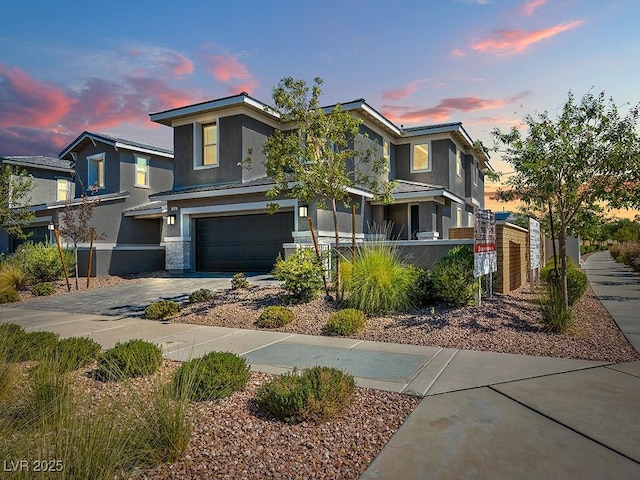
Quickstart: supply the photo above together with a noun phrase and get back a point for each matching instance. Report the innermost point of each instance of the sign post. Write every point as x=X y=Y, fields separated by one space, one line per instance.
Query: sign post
x=534 y=253
x=485 y=258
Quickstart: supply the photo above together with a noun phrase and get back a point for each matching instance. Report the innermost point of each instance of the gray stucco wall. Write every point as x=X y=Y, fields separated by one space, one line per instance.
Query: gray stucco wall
x=45 y=185
x=111 y=169
x=254 y=135
x=120 y=262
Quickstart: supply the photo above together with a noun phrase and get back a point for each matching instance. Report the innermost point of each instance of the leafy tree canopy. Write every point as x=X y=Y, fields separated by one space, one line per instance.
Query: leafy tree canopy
x=15 y=200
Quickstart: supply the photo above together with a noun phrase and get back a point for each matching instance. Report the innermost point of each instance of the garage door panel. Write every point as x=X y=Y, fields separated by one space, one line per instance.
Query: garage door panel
x=241 y=243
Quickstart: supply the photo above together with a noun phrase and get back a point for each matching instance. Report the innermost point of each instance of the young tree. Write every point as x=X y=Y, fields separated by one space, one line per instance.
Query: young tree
x=74 y=223
x=589 y=154
x=15 y=200
x=323 y=157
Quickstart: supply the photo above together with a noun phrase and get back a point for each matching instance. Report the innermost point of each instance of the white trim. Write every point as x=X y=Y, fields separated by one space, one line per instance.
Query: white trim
x=325 y=234
x=472 y=201
x=429 y=157
x=176 y=239
x=357 y=191
x=224 y=192
x=114 y=143
x=148 y=151
x=240 y=208
x=123 y=246
x=198 y=144
x=147 y=173
x=96 y=158
x=411 y=243
x=424 y=196
x=77 y=201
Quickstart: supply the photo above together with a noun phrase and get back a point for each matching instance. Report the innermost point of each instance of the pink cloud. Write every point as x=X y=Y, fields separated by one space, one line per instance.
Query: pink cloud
x=506 y=42
x=180 y=65
x=227 y=69
x=530 y=6
x=459 y=53
x=25 y=100
x=399 y=93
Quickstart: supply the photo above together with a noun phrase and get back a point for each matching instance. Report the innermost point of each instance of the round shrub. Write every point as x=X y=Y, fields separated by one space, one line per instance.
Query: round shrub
x=9 y=296
x=275 y=317
x=75 y=352
x=424 y=288
x=301 y=274
x=346 y=322
x=35 y=346
x=379 y=281
x=201 y=295
x=211 y=377
x=577 y=281
x=317 y=395
x=41 y=261
x=134 y=358
x=452 y=277
x=239 y=281
x=161 y=309
x=43 y=289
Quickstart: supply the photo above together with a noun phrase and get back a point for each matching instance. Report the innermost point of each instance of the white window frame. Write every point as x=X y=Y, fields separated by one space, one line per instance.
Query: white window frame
x=146 y=176
x=474 y=172
x=470 y=219
x=458 y=216
x=198 y=145
x=429 y=157
x=458 y=162
x=97 y=158
x=386 y=152
x=67 y=184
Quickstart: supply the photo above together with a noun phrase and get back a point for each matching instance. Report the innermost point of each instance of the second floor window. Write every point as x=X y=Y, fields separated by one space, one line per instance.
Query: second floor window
x=96 y=170
x=420 y=161
x=62 y=190
x=142 y=172
x=458 y=162
x=210 y=144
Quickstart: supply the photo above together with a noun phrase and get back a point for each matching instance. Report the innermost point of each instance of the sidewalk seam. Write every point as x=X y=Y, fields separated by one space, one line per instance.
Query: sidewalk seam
x=444 y=367
x=574 y=430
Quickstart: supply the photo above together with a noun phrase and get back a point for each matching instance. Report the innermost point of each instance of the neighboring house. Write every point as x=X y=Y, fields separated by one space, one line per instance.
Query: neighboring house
x=52 y=182
x=217 y=216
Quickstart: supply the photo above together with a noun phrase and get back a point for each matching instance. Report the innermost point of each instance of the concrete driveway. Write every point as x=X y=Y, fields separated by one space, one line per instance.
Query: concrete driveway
x=130 y=299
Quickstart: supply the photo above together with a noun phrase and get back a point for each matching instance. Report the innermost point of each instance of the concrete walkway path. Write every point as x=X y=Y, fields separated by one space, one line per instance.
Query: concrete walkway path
x=484 y=415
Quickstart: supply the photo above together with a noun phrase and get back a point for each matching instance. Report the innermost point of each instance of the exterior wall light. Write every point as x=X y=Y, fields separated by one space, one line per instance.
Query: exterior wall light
x=171 y=220
x=303 y=211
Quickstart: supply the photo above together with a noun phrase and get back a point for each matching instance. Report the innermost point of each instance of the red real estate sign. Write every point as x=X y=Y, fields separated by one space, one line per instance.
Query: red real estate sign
x=485 y=248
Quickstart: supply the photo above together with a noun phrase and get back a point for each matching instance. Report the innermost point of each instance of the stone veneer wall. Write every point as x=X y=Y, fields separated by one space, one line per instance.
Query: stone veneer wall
x=178 y=253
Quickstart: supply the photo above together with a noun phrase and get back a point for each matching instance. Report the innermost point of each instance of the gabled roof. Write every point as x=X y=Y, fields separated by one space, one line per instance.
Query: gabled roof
x=116 y=142
x=40 y=162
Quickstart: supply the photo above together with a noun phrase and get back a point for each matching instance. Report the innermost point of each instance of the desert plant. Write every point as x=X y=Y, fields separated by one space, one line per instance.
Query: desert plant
x=200 y=295
x=41 y=262
x=12 y=277
x=211 y=377
x=43 y=289
x=75 y=352
x=577 y=281
x=34 y=346
x=346 y=322
x=379 y=281
x=452 y=277
x=134 y=358
x=161 y=309
x=319 y=394
x=301 y=274
x=424 y=290
x=556 y=315
x=275 y=317
x=10 y=341
x=50 y=392
x=239 y=281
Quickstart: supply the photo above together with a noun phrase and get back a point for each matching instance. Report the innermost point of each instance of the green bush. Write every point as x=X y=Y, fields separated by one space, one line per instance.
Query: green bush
x=134 y=358
x=346 y=322
x=424 y=289
x=211 y=377
x=453 y=279
x=627 y=253
x=577 y=281
x=75 y=352
x=379 y=282
x=239 y=281
x=556 y=315
x=275 y=317
x=9 y=296
x=43 y=289
x=34 y=346
x=301 y=274
x=41 y=262
x=161 y=309
x=10 y=342
x=201 y=295
x=319 y=394
x=12 y=277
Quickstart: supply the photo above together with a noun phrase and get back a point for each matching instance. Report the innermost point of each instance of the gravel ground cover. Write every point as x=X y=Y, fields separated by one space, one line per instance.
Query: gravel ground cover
x=505 y=323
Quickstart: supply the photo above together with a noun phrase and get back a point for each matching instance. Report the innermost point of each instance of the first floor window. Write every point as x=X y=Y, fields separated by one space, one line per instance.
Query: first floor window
x=62 y=190
x=420 y=161
x=210 y=144
x=96 y=170
x=142 y=172
x=470 y=221
x=458 y=217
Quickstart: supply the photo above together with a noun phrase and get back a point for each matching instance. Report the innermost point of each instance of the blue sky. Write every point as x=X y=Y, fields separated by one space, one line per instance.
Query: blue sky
x=71 y=66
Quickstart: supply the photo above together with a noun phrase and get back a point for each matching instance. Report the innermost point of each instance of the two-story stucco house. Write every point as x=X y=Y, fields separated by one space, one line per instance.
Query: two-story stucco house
x=216 y=209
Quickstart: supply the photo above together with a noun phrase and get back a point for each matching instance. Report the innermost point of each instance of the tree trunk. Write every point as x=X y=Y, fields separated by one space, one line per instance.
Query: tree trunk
x=553 y=243
x=337 y=240
x=75 y=254
x=562 y=244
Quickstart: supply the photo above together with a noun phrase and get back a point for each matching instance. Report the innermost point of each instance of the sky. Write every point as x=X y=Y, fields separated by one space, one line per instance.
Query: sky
x=71 y=66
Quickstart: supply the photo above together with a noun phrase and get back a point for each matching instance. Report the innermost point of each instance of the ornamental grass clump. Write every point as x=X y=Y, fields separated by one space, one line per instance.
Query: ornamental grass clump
x=211 y=377
x=75 y=352
x=317 y=395
x=275 y=317
x=161 y=309
x=346 y=322
x=556 y=315
x=134 y=358
x=379 y=282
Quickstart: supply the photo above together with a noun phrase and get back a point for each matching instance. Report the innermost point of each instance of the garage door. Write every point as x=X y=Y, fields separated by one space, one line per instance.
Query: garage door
x=241 y=243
